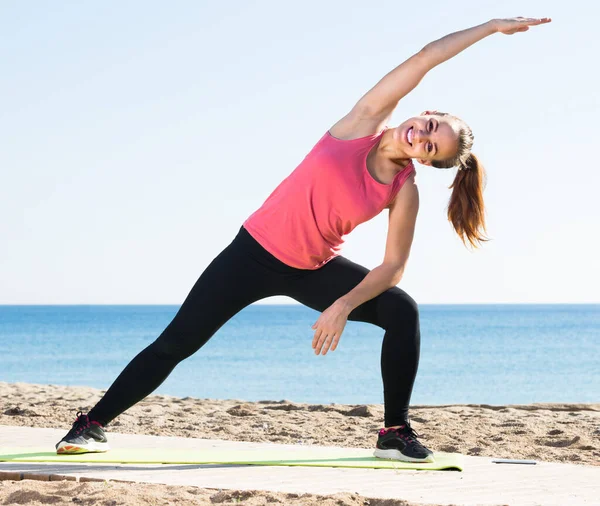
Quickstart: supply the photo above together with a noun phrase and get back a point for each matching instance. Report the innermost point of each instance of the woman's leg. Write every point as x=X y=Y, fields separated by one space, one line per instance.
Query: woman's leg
x=231 y=282
x=393 y=310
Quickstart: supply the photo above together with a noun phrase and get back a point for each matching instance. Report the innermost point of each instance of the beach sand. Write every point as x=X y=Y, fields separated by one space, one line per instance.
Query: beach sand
x=547 y=432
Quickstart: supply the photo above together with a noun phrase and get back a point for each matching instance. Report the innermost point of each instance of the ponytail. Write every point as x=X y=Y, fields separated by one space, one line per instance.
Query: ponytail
x=466 y=209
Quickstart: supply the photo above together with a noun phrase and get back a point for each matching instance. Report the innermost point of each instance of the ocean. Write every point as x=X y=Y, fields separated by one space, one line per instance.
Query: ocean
x=492 y=354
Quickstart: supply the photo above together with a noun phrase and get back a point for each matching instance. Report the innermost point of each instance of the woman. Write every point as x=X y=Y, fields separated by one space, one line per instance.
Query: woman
x=290 y=246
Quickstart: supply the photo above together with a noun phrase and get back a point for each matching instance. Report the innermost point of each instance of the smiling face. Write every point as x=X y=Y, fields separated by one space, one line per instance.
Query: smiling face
x=427 y=138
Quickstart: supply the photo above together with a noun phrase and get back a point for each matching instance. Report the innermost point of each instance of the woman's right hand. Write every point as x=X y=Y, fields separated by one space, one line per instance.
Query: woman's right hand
x=513 y=25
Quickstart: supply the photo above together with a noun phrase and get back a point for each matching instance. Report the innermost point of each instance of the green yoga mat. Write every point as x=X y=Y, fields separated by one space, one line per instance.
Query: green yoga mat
x=304 y=456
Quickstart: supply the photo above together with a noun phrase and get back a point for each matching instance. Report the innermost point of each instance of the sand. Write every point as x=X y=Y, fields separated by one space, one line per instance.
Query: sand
x=35 y=493
x=547 y=432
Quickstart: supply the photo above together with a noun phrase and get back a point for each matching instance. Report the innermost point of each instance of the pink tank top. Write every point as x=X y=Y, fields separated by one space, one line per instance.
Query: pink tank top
x=303 y=222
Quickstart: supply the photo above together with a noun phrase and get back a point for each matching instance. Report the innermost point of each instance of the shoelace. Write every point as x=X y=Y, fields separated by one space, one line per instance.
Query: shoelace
x=81 y=423
x=407 y=433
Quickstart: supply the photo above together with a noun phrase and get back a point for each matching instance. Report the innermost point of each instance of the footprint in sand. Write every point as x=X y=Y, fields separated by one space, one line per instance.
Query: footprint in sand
x=561 y=443
x=449 y=448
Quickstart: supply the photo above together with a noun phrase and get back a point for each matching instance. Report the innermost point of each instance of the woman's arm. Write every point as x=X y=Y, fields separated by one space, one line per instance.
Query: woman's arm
x=403 y=216
x=401 y=229
x=382 y=99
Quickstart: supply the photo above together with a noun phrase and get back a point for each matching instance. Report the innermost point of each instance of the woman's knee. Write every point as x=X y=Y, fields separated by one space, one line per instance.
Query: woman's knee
x=399 y=309
x=176 y=344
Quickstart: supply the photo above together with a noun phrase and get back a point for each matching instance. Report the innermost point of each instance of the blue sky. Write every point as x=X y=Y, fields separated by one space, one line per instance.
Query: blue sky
x=138 y=136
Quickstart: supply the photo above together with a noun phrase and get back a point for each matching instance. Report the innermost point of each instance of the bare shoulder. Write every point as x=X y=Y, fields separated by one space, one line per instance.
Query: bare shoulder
x=356 y=124
x=408 y=196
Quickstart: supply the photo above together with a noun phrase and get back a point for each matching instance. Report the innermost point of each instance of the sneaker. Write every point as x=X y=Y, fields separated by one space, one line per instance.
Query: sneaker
x=401 y=444
x=85 y=436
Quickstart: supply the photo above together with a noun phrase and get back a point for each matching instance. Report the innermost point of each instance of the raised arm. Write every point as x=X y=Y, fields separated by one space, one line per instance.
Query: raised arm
x=379 y=102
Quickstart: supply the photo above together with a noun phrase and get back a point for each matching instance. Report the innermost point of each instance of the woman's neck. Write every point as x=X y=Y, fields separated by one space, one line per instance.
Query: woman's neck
x=381 y=161
x=389 y=152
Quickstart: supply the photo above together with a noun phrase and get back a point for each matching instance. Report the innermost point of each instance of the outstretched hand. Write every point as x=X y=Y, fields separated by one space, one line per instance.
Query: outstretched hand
x=513 y=25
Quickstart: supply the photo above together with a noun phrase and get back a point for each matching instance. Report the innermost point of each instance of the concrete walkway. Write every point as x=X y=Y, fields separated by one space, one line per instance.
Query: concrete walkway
x=481 y=482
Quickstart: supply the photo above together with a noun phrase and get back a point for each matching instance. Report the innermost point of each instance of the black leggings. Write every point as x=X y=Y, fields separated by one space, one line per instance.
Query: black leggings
x=244 y=273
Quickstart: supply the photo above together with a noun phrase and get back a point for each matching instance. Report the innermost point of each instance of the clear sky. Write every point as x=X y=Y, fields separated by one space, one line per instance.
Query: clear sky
x=136 y=136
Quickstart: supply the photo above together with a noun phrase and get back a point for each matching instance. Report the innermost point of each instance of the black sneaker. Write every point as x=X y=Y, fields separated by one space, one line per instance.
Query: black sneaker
x=402 y=444
x=85 y=436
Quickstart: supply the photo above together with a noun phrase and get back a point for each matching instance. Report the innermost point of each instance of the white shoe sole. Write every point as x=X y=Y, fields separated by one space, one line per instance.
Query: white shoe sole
x=65 y=447
x=396 y=455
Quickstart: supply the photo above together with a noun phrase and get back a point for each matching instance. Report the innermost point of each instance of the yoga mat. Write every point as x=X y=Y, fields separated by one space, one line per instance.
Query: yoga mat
x=303 y=456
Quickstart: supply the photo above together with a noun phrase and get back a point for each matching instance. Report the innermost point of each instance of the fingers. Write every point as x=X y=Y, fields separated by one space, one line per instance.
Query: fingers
x=320 y=341
x=520 y=24
x=335 y=342
x=316 y=339
x=534 y=21
x=323 y=341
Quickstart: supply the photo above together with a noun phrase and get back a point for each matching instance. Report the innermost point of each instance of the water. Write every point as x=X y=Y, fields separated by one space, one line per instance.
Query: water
x=495 y=354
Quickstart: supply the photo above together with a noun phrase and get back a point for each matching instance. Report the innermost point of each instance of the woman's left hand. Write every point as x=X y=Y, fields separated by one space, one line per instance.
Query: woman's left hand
x=514 y=25
x=329 y=327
